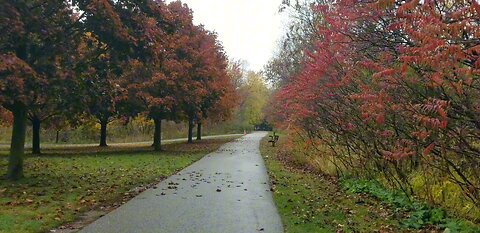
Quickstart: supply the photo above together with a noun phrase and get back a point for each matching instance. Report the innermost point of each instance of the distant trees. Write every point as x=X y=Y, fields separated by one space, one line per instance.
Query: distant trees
x=107 y=59
x=208 y=82
x=250 y=97
x=255 y=95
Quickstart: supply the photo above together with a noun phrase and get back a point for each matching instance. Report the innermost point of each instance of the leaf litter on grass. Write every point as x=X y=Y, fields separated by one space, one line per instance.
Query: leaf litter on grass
x=59 y=188
x=310 y=202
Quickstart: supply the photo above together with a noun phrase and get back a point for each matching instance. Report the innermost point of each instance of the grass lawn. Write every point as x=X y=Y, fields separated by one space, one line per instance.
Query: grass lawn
x=60 y=186
x=313 y=203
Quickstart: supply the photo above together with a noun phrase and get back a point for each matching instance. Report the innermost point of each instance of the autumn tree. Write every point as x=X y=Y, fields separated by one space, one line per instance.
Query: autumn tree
x=125 y=35
x=221 y=97
x=222 y=109
x=204 y=76
x=104 y=51
x=34 y=59
x=163 y=89
x=152 y=83
x=99 y=72
x=54 y=103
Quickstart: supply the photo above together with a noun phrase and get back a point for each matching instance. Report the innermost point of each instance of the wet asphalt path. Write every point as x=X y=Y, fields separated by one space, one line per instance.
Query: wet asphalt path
x=226 y=192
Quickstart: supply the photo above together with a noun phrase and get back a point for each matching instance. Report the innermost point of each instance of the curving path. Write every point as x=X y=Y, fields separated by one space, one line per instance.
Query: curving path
x=226 y=191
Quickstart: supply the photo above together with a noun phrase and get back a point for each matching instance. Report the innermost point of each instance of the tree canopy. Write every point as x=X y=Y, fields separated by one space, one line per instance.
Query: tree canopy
x=107 y=59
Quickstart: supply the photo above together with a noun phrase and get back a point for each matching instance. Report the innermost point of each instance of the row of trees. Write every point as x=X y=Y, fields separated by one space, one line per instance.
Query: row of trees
x=62 y=59
x=391 y=89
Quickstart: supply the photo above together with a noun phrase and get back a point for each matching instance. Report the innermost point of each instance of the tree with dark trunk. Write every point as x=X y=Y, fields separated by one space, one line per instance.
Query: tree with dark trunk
x=52 y=107
x=35 y=61
x=35 y=135
x=209 y=83
x=190 y=129
x=152 y=80
x=105 y=51
x=60 y=122
x=17 y=147
x=100 y=87
x=157 y=136
x=199 y=131
x=103 y=132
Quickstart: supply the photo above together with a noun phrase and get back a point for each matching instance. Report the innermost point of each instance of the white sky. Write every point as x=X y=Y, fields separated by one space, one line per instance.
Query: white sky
x=248 y=29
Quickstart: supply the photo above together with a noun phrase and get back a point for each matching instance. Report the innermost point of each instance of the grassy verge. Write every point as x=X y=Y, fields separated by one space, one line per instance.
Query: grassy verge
x=60 y=186
x=313 y=203
x=309 y=202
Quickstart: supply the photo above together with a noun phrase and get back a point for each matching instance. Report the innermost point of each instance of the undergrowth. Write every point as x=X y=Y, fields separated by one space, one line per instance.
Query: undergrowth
x=418 y=215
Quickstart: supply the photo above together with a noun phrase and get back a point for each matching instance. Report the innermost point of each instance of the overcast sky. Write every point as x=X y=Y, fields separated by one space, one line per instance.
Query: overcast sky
x=248 y=29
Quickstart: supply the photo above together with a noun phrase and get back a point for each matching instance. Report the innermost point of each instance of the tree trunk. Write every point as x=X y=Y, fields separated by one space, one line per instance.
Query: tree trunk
x=36 y=136
x=103 y=132
x=17 y=146
x=190 y=130
x=199 y=131
x=157 y=135
x=57 y=137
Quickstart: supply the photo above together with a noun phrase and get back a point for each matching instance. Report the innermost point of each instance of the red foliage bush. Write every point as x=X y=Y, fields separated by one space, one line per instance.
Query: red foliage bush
x=394 y=85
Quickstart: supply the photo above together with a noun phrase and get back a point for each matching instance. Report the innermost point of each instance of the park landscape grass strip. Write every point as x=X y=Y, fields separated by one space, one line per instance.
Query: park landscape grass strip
x=309 y=202
x=59 y=188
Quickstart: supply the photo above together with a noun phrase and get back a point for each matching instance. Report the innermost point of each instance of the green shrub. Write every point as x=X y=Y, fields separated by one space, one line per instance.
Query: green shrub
x=417 y=214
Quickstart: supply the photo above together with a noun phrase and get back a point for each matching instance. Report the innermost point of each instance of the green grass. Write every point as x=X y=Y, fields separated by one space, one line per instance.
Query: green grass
x=418 y=215
x=314 y=203
x=59 y=186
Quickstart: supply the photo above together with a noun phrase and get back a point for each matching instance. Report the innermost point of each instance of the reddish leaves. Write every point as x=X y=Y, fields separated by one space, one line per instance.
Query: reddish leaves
x=377 y=86
x=424 y=69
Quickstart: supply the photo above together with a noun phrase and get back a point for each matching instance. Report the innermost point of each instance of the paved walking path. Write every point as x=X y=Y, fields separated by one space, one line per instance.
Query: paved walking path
x=226 y=192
